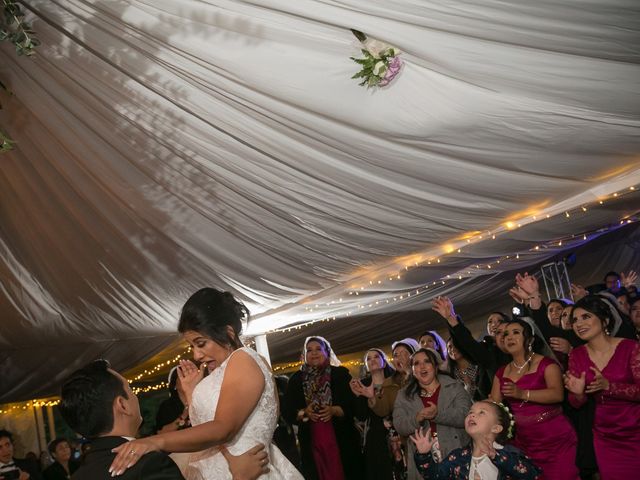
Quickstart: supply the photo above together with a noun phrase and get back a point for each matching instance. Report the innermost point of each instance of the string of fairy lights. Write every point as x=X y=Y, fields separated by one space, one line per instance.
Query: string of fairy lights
x=361 y=290
x=285 y=367
x=161 y=367
x=13 y=408
x=27 y=405
x=375 y=285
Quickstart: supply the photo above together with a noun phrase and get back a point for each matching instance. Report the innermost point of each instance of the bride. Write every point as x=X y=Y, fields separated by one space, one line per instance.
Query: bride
x=235 y=407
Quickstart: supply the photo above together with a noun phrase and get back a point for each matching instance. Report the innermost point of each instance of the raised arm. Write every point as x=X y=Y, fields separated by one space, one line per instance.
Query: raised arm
x=474 y=350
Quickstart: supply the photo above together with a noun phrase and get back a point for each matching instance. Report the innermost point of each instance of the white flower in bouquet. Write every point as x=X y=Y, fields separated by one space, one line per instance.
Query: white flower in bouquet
x=375 y=47
x=379 y=68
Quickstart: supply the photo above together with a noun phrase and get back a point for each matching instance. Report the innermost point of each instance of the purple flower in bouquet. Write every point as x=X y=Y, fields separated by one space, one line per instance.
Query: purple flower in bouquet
x=395 y=64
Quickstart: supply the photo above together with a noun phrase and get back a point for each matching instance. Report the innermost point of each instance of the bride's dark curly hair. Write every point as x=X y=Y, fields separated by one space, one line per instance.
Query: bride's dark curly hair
x=211 y=312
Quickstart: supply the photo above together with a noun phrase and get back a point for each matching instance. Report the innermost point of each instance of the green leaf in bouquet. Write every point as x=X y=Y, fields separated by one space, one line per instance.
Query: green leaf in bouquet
x=367 y=54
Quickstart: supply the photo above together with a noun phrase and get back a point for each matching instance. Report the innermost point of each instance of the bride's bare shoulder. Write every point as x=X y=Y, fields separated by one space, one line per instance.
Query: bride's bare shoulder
x=242 y=363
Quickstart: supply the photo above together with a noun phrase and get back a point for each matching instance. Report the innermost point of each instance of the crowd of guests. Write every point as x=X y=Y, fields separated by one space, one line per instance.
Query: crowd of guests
x=550 y=392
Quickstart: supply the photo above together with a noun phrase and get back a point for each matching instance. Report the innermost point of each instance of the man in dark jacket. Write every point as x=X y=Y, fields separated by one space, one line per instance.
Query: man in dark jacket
x=15 y=468
x=98 y=403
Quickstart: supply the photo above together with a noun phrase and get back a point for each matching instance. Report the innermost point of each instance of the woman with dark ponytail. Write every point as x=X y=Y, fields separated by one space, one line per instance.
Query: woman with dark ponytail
x=232 y=409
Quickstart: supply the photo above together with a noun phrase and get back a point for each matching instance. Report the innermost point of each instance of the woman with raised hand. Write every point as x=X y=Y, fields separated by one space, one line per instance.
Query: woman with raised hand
x=607 y=369
x=319 y=400
x=232 y=409
x=548 y=319
x=377 y=456
x=431 y=400
x=489 y=354
x=532 y=386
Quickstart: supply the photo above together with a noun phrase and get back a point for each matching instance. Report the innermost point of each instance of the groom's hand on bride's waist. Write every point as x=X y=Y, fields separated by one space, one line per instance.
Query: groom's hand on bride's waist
x=248 y=466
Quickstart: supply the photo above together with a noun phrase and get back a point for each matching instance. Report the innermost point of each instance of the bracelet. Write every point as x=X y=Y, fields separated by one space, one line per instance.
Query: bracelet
x=537 y=295
x=181 y=422
x=528 y=395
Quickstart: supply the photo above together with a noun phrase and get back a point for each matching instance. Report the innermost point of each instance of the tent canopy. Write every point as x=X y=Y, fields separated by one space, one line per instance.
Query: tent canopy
x=166 y=145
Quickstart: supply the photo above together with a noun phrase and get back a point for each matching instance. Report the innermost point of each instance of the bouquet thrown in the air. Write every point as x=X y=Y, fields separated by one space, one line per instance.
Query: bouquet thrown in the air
x=380 y=64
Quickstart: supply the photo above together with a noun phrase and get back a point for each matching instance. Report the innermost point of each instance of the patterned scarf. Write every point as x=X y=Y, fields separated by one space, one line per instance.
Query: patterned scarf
x=316 y=383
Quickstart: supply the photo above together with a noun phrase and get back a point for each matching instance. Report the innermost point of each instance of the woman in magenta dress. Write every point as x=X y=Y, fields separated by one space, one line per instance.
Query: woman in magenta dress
x=607 y=368
x=532 y=385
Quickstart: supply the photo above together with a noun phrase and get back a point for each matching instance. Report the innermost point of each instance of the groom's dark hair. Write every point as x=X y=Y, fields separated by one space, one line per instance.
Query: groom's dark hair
x=87 y=399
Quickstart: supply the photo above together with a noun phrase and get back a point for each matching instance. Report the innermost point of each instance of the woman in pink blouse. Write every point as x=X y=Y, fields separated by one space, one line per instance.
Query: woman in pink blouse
x=607 y=368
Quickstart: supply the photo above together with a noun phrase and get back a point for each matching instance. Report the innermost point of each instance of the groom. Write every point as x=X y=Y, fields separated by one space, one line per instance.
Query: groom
x=98 y=403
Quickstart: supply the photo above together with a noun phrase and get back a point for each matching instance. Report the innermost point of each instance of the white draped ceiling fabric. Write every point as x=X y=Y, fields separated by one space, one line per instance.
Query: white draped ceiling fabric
x=166 y=145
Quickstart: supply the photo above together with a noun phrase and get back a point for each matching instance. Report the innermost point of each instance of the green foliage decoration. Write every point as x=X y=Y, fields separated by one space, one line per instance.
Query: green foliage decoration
x=14 y=29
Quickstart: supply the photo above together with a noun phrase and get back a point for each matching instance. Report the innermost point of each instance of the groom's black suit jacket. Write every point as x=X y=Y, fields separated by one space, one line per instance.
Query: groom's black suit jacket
x=152 y=466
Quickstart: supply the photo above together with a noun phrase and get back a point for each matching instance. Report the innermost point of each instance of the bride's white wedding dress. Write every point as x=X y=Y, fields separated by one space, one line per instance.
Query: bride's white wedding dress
x=210 y=464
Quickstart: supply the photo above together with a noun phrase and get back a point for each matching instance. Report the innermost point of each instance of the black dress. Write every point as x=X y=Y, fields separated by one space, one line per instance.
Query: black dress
x=377 y=456
x=346 y=434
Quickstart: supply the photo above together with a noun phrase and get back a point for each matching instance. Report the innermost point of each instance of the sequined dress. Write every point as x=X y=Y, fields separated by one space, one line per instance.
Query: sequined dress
x=543 y=433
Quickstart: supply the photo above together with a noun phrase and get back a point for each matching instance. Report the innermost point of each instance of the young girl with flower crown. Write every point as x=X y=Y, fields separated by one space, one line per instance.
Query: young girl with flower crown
x=489 y=425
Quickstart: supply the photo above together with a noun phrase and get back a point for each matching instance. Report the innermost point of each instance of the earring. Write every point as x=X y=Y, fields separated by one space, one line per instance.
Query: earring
x=530 y=347
x=606 y=331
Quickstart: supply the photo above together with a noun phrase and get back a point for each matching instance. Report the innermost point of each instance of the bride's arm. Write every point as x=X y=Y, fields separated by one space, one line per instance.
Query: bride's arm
x=242 y=386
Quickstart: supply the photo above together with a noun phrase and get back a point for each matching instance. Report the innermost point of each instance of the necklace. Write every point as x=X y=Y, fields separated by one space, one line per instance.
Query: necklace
x=424 y=393
x=520 y=367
